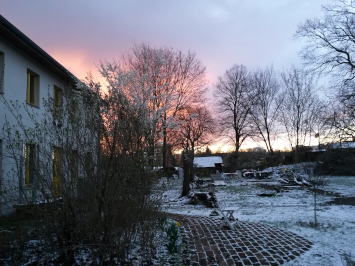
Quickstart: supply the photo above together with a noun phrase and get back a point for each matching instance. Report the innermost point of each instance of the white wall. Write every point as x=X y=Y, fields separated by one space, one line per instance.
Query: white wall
x=16 y=65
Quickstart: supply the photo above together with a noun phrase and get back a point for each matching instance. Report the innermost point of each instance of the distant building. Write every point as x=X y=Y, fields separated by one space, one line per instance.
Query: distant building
x=342 y=145
x=259 y=149
x=204 y=166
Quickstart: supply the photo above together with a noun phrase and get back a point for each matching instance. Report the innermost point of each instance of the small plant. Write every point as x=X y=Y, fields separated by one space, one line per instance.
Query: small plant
x=214 y=213
x=171 y=228
x=317 y=181
x=173 y=235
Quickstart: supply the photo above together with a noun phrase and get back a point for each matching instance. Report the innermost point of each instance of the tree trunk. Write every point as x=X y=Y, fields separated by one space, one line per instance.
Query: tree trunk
x=236 y=155
x=296 y=155
x=164 y=146
x=273 y=157
x=191 y=165
x=186 y=182
x=315 y=206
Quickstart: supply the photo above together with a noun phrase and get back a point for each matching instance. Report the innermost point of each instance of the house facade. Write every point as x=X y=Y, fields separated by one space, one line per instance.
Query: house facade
x=28 y=75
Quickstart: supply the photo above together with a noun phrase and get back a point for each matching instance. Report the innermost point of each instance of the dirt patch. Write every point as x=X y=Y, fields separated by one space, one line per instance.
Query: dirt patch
x=343 y=201
x=275 y=188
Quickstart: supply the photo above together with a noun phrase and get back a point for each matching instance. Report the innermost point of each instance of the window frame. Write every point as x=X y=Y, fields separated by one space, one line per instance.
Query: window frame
x=30 y=164
x=73 y=109
x=57 y=96
x=57 y=102
x=34 y=87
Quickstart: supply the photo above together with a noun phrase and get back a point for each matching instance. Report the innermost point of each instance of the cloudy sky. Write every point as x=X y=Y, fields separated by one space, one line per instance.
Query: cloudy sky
x=79 y=33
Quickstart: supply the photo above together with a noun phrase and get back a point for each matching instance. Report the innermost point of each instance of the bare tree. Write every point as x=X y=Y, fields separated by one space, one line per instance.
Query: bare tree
x=341 y=123
x=299 y=109
x=234 y=105
x=181 y=79
x=266 y=104
x=331 y=40
x=194 y=131
x=329 y=50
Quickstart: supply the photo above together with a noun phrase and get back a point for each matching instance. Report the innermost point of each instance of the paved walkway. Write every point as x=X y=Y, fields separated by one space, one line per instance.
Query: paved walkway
x=247 y=244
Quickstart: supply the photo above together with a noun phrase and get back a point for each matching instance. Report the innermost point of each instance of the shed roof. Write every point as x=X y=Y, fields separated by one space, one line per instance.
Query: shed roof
x=207 y=161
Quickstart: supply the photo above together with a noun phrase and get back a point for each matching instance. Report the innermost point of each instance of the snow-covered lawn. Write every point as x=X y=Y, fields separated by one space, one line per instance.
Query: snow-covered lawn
x=291 y=209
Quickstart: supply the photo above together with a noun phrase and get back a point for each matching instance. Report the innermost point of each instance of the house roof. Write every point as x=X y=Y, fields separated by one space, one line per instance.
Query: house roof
x=13 y=35
x=207 y=161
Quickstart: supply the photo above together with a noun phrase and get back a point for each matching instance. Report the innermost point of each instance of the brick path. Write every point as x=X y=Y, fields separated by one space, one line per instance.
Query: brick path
x=247 y=244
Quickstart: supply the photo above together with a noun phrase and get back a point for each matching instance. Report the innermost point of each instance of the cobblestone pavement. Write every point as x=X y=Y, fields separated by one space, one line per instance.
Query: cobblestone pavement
x=247 y=244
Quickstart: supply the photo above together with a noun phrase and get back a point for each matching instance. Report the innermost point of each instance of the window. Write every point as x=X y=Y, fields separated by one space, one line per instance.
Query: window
x=57 y=97
x=2 y=68
x=32 y=88
x=73 y=108
x=57 y=102
x=56 y=172
x=30 y=164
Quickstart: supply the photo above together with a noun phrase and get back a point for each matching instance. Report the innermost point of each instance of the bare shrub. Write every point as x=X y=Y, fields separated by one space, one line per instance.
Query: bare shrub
x=81 y=168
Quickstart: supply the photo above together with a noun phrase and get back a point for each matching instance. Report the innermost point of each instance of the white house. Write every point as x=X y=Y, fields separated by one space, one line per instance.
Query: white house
x=27 y=75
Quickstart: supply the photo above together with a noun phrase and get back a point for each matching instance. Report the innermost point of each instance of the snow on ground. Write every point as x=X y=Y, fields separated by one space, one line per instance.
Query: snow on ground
x=291 y=209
